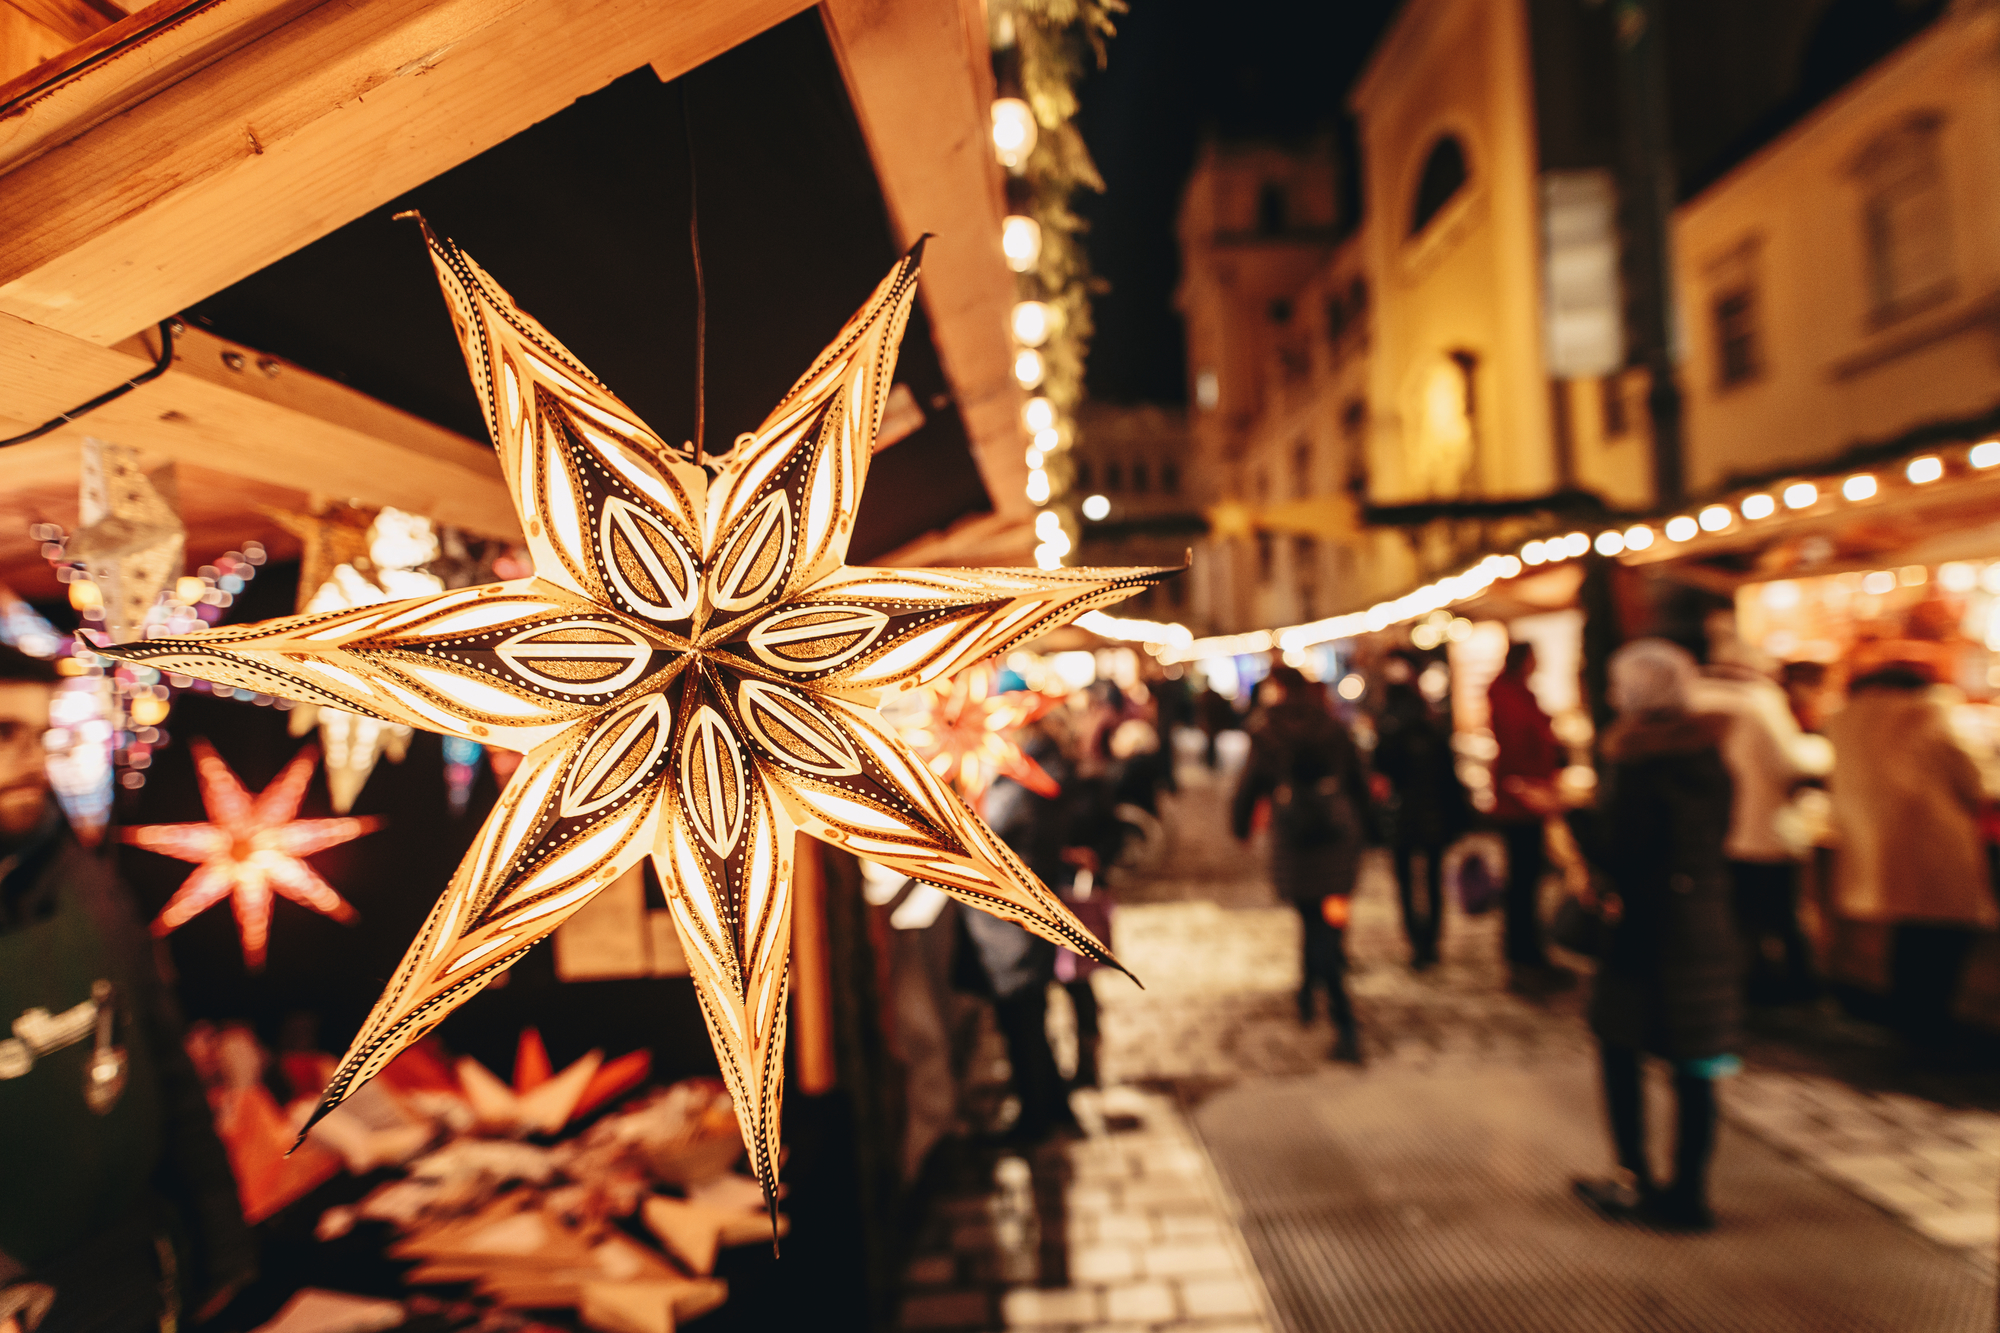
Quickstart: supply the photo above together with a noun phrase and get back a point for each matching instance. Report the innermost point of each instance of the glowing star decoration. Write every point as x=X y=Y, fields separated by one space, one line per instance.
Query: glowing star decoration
x=395 y=544
x=249 y=850
x=959 y=728
x=132 y=542
x=691 y=676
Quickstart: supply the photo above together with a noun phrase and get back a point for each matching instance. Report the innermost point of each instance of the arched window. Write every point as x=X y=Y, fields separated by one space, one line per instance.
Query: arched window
x=1271 y=209
x=1444 y=175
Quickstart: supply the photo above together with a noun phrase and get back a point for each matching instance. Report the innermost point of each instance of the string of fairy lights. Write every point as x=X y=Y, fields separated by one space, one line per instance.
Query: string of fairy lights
x=1040 y=49
x=1801 y=498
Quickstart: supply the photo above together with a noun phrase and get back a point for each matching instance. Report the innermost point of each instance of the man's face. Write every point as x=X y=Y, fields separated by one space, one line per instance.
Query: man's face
x=24 y=776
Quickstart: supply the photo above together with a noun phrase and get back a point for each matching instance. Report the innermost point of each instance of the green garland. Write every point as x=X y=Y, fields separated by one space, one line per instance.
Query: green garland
x=1055 y=39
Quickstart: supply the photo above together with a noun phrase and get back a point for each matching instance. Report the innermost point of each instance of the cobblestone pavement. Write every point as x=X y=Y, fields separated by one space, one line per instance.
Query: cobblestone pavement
x=1130 y=1228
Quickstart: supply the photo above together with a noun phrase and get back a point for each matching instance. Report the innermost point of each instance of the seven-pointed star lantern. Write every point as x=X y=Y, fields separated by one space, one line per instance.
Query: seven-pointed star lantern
x=248 y=849
x=692 y=674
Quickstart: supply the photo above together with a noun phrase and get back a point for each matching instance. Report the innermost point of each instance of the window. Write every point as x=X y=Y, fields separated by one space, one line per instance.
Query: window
x=1906 y=224
x=1170 y=479
x=1142 y=478
x=1266 y=555
x=1302 y=469
x=1083 y=474
x=1354 y=438
x=1114 y=476
x=1263 y=487
x=1271 y=209
x=1737 y=356
x=1281 y=311
x=1611 y=405
x=1207 y=390
x=1443 y=176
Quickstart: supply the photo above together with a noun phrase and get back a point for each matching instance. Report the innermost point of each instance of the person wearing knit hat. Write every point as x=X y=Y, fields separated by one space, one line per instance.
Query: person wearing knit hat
x=1668 y=977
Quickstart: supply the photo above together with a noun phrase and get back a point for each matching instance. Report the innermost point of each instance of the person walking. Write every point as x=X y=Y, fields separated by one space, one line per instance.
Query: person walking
x=1431 y=809
x=1304 y=761
x=1906 y=801
x=1668 y=979
x=1524 y=796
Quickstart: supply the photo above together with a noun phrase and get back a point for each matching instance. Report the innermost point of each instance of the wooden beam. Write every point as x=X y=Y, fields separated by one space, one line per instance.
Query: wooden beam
x=232 y=409
x=155 y=47
x=277 y=143
x=67 y=18
x=921 y=81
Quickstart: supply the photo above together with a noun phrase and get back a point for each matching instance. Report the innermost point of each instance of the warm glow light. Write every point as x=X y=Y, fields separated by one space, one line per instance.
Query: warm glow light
x=1096 y=507
x=1028 y=367
x=1351 y=687
x=1801 y=494
x=1021 y=242
x=1638 y=537
x=1534 y=553
x=1860 y=486
x=1681 y=528
x=1047 y=557
x=1715 y=518
x=1047 y=440
x=1507 y=566
x=1039 y=415
x=1038 y=486
x=188 y=589
x=1014 y=132
x=1758 y=506
x=1879 y=582
x=1034 y=457
x=1924 y=470
x=1048 y=525
x=1958 y=576
x=1577 y=543
x=1984 y=454
x=1031 y=322
x=1609 y=543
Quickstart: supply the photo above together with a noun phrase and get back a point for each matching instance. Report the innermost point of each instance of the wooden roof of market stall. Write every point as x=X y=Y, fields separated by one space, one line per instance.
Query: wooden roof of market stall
x=235 y=161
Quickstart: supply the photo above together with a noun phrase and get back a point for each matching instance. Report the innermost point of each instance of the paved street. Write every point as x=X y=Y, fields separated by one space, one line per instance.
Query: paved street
x=1232 y=1178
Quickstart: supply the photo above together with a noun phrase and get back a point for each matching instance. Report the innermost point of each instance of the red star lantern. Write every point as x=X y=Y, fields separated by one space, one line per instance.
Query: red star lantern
x=250 y=849
x=960 y=729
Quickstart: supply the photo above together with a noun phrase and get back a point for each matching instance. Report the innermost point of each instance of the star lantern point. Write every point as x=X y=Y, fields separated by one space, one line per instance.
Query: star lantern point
x=692 y=675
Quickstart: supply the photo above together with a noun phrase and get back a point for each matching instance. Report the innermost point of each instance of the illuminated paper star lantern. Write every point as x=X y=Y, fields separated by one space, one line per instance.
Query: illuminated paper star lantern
x=249 y=850
x=132 y=542
x=692 y=676
x=959 y=728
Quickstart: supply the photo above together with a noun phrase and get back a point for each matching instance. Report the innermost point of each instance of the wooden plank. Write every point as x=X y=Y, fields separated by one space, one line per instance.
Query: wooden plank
x=268 y=421
x=976 y=539
x=920 y=79
x=156 y=46
x=333 y=113
x=72 y=19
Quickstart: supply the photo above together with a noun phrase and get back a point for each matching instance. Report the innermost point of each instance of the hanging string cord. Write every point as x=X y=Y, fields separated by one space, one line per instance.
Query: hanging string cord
x=700 y=288
x=146 y=377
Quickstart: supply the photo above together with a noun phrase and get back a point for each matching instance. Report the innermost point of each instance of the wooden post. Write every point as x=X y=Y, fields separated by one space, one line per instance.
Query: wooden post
x=812 y=973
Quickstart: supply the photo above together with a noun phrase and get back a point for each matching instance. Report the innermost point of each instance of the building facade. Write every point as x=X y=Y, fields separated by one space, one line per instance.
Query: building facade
x=1462 y=369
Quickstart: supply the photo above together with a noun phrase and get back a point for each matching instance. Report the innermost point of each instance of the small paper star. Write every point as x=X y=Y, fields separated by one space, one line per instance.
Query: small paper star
x=249 y=849
x=960 y=729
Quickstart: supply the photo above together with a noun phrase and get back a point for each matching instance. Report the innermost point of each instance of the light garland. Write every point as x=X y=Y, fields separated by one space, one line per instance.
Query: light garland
x=1543 y=553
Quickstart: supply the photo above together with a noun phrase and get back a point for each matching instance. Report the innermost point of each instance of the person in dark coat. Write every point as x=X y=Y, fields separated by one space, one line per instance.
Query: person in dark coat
x=1304 y=761
x=1524 y=797
x=118 y=1212
x=1669 y=982
x=1431 y=808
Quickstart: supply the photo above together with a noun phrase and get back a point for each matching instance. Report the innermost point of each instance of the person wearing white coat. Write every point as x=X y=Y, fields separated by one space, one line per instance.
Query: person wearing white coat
x=1768 y=757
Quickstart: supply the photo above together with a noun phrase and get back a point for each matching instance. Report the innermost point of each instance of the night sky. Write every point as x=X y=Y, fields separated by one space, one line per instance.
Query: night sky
x=1179 y=70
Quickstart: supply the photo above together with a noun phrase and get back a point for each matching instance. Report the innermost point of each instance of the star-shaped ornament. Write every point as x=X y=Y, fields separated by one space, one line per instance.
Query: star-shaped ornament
x=249 y=850
x=132 y=541
x=960 y=729
x=692 y=675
